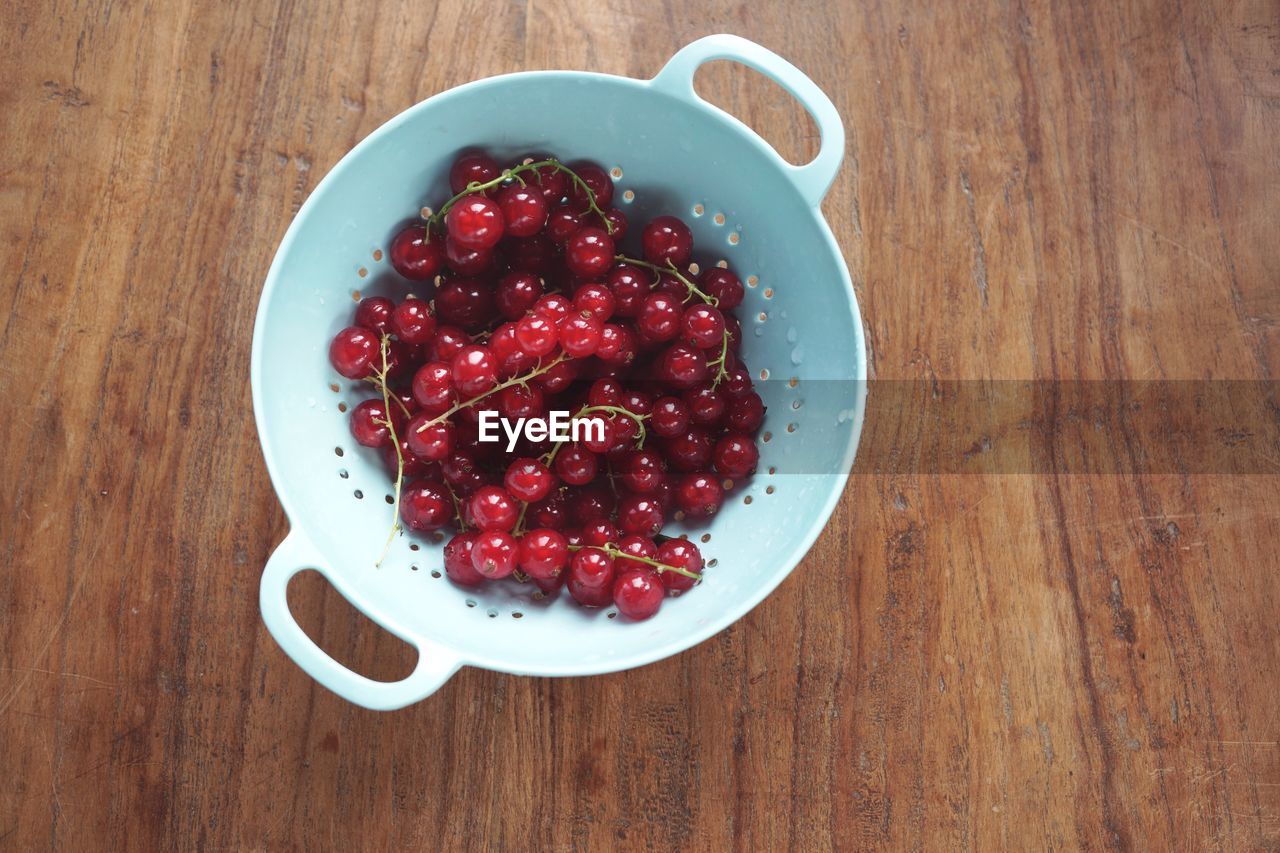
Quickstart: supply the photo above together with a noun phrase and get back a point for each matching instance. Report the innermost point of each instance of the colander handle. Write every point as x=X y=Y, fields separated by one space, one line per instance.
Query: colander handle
x=812 y=179
x=435 y=663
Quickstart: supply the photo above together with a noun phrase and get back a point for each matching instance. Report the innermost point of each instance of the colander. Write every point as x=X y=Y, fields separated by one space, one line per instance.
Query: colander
x=669 y=152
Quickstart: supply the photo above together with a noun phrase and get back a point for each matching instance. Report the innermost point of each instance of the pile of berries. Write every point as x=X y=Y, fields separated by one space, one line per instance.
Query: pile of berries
x=533 y=307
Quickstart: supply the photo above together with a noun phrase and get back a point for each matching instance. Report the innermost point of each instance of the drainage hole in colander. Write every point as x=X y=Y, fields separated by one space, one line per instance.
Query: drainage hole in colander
x=342 y=472
x=516 y=614
x=342 y=407
x=734 y=237
x=694 y=268
x=712 y=563
x=698 y=210
x=723 y=264
x=333 y=386
x=493 y=614
x=766 y=436
x=413 y=546
x=764 y=373
x=471 y=602
x=413 y=567
x=377 y=254
x=706 y=537
x=362 y=272
x=611 y=614
x=791 y=427
x=355 y=296
x=793 y=381
x=768 y=293
x=425 y=213
x=795 y=404
x=390 y=501
x=762 y=317
x=772 y=470
x=752 y=280
x=718 y=219
x=359 y=495
x=337 y=451
x=616 y=172
x=628 y=196
x=747 y=500
x=768 y=490
x=435 y=573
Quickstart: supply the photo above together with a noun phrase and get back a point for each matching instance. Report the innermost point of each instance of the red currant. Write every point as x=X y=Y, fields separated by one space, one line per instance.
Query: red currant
x=682 y=554
x=580 y=335
x=374 y=314
x=475 y=370
x=597 y=181
x=529 y=480
x=492 y=508
x=591 y=567
x=589 y=252
x=457 y=560
x=425 y=506
x=724 y=286
x=634 y=546
x=543 y=553
x=355 y=352
x=642 y=471
x=699 y=495
x=659 y=318
x=369 y=424
x=745 y=414
x=494 y=554
x=639 y=514
x=448 y=342
x=735 y=456
x=474 y=167
x=576 y=465
x=638 y=594
x=465 y=261
x=665 y=239
x=465 y=302
x=433 y=387
x=689 y=451
x=429 y=441
x=524 y=209
x=476 y=222
x=516 y=294
x=537 y=335
x=594 y=299
x=412 y=321
x=416 y=254
x=702 y=326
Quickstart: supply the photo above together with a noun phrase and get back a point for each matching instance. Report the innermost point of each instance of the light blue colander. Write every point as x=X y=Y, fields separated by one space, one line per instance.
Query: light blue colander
x=671 y=152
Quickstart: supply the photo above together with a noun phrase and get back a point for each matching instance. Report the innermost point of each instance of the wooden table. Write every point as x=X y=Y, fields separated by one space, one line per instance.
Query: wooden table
x=1053 y=659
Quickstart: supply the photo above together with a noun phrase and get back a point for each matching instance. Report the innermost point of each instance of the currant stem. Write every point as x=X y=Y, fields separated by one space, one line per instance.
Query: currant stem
x=381 y=384
x=613 y=551
x=671 y=268
x=550 y=456
x=514 y=174
x=515 y=380
x=395 y=443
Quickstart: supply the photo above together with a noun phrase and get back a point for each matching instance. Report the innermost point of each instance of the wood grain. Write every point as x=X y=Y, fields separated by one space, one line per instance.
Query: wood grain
x=1056 y=660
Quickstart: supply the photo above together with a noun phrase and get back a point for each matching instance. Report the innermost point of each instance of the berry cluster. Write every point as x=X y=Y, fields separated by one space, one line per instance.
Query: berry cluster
x=535 y=309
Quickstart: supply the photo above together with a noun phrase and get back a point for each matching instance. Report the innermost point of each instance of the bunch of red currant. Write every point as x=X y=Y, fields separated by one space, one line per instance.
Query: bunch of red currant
x=535 y=309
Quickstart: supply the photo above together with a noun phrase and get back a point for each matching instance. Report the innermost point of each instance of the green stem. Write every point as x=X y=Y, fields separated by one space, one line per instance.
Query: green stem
x=613 y=551
x=395 y=443
x=550 y=456
x=671 y=268
x=515 y=380
x=514 y=174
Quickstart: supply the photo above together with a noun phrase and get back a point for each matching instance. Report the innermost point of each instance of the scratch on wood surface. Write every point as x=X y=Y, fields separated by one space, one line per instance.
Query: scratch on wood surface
x=1195 y=256
x=979 y=250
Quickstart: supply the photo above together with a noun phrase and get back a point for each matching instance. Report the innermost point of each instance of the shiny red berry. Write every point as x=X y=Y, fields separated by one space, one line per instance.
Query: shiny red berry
x=592 y=567
x=369 y=424
x=597 y=180
x=543 y=553
x=374 y=314
x=524 y=210
x=665 y=239
x=475 y=370
x=472 y=167
x=494 y=554
x=529 y=480
x=457 y=560
x=425 y=506
x=682 y=554
x=699 y=495
x=412 y=321
x=638 y=594
x=724 y=286
x=735 y=456
x=492 y=508
x=433 y=387
x=415 y=254
x=355 y=352
x=589 y=252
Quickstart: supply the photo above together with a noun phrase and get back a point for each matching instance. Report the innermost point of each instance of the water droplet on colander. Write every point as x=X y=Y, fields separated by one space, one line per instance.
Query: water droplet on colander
x=759 y=331
x=792 y=335
x=311 y=402
x=797 y=355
